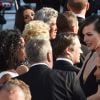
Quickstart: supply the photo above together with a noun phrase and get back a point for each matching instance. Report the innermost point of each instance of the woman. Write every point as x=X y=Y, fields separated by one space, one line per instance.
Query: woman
x=23 y=16
x=91 y=31
x=12 y=52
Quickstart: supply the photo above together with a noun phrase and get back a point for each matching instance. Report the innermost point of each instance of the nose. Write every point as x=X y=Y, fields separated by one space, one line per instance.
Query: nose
x=84 y=38
x=81 y=51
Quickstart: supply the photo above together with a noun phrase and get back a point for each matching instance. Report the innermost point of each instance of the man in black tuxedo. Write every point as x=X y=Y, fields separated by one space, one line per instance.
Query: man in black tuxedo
x=79 y=7
x=67 y=50
x=45 y=83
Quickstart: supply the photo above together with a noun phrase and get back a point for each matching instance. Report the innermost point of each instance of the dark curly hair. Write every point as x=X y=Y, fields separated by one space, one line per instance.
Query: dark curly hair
x=9 y=42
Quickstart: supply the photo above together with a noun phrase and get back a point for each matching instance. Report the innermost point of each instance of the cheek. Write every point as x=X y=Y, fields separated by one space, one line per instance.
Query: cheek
x=96 y=42
x=77 y=53
x=53 y=28
x=21 y=55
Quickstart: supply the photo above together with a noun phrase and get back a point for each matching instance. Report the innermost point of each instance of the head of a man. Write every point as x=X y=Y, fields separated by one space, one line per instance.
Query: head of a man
x=49 y=16
x=14 y=89
x=78 y=5
x=67 y=45
x=39 y=51
x=67 y=22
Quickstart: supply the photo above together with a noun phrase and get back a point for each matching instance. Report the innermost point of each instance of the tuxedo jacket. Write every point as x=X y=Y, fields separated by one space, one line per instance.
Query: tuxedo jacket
x=47 y=84
x=65 y=66
x=81 y=36
x=44 y=83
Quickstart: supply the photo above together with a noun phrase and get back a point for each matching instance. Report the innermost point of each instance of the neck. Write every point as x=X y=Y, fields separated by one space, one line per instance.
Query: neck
x=83 y=12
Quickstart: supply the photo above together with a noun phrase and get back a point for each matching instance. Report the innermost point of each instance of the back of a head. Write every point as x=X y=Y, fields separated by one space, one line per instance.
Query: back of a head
x=14 y=89
x=45 y=14
x=36 y=29
x=67 y=22
x=37 y=50
x=77 y=5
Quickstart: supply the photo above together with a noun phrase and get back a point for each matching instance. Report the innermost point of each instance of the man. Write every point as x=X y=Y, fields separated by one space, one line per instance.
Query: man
x=46 y=84
x=67 y=50
x=67 y=22
x=40 y=78
x=49 y=16
x=14 y=89
x=79 y=7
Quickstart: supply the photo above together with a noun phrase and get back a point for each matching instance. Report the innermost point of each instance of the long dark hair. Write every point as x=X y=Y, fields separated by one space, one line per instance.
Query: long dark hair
x=19 y=18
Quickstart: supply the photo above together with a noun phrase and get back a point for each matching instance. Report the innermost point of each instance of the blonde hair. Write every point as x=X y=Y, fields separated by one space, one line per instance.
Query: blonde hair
x=12 y=83
x=36 y=29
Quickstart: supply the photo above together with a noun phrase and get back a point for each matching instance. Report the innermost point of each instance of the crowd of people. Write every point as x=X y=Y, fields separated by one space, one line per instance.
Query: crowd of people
x=51 y=55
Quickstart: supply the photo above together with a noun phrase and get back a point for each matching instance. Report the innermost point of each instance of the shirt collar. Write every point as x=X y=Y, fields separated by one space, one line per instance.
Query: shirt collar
x=65 y=59
x=79 y=15
x=38 y=64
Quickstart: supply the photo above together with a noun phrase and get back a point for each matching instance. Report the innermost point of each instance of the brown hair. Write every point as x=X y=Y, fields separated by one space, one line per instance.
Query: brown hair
x=77 y=5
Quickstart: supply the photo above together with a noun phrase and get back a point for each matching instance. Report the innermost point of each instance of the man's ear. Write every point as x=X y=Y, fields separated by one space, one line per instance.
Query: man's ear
x=50 y=59
x=88 y=6
x=67 y=51
x=49 y=56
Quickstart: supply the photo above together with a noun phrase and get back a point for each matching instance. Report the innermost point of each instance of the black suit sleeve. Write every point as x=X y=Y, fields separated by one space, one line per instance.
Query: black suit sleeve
x=56 y=85
x=78 y=93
